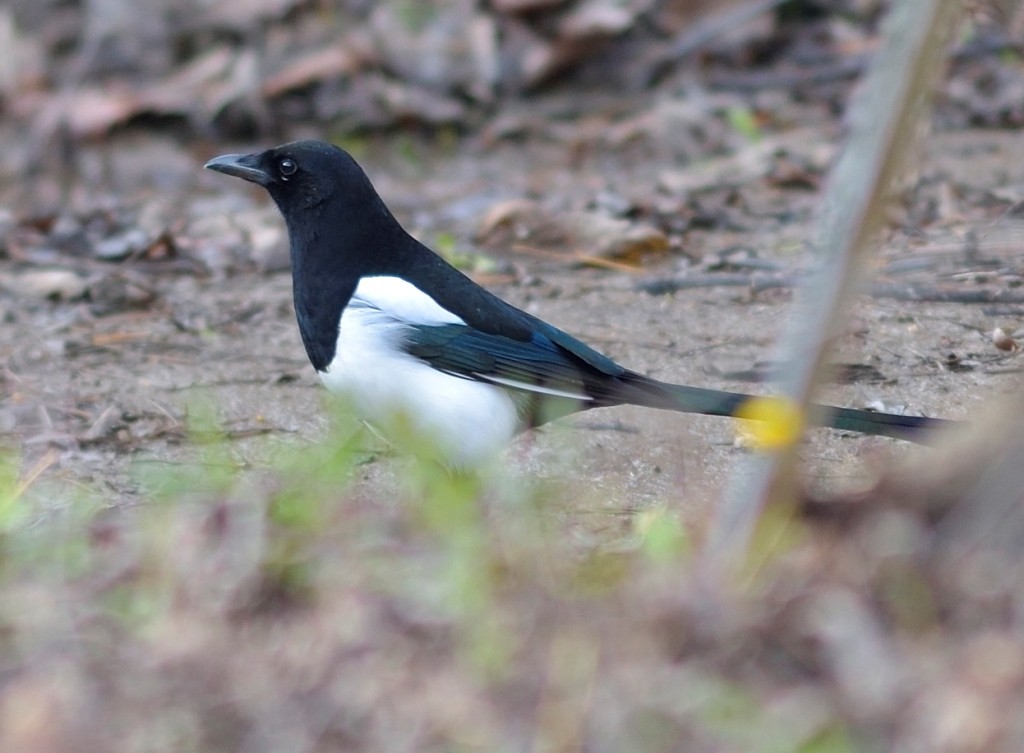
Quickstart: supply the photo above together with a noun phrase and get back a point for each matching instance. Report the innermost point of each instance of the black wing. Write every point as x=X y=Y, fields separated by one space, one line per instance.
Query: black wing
x=537 y=366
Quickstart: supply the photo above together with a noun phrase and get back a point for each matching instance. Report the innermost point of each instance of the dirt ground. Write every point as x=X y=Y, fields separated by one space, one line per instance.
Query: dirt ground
x=99 y=386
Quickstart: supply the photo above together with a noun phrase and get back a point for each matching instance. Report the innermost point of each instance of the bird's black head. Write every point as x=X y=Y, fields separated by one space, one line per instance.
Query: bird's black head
x=338 y=229
x=302 y=175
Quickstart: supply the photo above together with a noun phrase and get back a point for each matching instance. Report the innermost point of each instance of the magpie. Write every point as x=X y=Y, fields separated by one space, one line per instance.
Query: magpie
x=417 y=345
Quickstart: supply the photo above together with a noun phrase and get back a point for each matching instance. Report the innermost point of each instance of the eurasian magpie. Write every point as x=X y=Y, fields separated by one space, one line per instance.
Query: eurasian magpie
x=414 y=343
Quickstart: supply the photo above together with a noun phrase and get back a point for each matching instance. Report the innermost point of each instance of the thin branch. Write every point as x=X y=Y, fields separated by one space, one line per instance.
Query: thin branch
x=883 y=119
x=759 y=282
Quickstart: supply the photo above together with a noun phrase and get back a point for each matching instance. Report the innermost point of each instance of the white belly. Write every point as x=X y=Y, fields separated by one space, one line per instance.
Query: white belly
x=460 y=421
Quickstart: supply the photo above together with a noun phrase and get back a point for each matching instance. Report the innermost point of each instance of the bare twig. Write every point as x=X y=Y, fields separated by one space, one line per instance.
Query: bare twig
x=33 y=474
x=758 y=282
x=578 y=257
x=934 y=294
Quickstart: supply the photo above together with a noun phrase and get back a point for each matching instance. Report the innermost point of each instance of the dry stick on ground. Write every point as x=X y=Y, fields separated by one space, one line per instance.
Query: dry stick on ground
x=839 y=69
x=883 y=118
x=757 y=283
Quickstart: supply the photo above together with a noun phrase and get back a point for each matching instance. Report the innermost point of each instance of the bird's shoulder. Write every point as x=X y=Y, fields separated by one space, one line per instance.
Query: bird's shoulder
x=463 y=301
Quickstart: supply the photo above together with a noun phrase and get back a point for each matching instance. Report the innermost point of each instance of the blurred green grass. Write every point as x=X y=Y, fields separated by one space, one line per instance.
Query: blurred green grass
x=465 y=613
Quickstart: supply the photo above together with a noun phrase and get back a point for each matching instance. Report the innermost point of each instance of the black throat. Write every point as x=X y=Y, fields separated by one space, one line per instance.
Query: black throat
x=332 y=247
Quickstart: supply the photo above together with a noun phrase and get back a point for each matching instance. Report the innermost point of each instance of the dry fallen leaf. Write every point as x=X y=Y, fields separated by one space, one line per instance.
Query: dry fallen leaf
x=597 y=18
x=54 y=284
x=755 y=161
x=91 y=111
x=332 y=62
x=521 y=222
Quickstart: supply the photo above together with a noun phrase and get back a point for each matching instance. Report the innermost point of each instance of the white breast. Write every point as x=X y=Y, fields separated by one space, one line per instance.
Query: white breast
x=463 y=421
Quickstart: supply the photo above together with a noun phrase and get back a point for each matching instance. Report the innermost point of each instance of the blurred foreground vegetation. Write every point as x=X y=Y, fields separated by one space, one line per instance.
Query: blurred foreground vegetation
x=286 y=611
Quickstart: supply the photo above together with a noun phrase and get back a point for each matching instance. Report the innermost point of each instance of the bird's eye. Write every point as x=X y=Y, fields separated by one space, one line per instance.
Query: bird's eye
x=287 y=168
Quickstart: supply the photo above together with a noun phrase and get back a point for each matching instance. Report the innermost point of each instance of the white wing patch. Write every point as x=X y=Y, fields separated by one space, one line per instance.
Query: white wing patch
x=466 y=422
x=402 y=301
x=528 y=387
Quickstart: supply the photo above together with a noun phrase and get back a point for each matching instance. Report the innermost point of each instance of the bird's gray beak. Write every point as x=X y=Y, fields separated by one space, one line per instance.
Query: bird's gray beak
x=244 y=166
